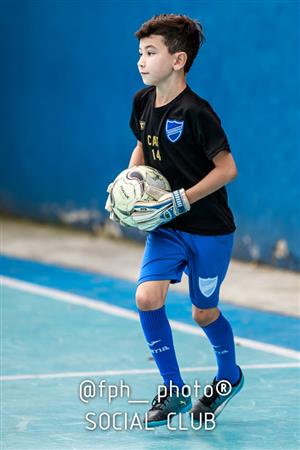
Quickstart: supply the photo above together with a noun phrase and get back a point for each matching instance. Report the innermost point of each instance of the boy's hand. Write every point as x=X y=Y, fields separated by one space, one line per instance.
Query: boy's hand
x=108 y=208
x=148 y=215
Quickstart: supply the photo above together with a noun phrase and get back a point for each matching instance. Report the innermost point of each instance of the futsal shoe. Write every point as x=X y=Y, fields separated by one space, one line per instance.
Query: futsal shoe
x=165 y=406
x=221 y=393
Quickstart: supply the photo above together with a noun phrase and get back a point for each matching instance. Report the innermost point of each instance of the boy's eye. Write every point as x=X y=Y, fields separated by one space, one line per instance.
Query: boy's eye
x=148 y=53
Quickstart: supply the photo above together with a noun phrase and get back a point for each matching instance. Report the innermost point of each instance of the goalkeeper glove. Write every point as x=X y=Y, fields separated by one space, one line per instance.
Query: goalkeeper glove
x=148 y=215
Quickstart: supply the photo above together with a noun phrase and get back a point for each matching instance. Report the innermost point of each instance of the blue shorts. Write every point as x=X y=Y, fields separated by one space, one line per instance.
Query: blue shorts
x=205 y=259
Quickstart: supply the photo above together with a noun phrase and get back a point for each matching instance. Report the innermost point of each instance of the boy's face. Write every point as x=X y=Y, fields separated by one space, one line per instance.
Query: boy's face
x=156 y=63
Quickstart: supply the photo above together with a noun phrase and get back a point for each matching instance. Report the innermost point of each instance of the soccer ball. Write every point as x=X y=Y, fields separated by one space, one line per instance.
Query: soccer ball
x=135 y=184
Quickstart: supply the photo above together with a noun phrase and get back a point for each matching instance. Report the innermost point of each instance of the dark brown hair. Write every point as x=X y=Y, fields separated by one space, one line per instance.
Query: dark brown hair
x=180 y=33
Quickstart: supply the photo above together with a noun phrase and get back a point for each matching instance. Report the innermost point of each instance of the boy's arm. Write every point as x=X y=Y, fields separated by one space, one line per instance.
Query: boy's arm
x=150 y=215
x=137 y=156
x=224 y=171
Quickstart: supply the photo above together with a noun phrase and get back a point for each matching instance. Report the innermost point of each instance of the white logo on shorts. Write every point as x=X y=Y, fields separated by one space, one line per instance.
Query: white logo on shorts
x=208 y=285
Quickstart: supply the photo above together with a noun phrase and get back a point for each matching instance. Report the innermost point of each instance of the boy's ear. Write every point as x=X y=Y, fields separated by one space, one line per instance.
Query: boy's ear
x=180 y=60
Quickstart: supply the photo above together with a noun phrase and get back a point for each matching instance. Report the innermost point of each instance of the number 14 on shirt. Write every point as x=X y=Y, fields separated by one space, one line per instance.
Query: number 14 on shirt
x=156 y=154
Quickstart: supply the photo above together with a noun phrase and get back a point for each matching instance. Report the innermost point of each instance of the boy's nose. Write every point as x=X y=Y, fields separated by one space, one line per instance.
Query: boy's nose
x=141 y=62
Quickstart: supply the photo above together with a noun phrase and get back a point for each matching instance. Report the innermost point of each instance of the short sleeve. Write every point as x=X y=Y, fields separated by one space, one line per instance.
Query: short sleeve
x=134 y=119
x=211 y=134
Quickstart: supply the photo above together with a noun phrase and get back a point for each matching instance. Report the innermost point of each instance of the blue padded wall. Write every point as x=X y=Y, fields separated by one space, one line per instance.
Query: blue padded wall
x=67 y=79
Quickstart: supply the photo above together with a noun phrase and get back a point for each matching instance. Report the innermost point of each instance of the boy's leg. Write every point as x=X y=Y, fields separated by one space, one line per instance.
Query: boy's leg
x=163 y=262
x=220 y=335
x=207 y=269
x=150 y=299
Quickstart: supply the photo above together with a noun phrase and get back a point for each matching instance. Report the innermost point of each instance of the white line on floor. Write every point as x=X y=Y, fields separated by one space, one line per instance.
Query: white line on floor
x=106 y=373
x=126 y=313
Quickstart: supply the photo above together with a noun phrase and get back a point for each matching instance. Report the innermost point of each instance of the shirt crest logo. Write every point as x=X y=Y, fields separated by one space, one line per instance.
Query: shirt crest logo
x=142 y=125
x=174 y=129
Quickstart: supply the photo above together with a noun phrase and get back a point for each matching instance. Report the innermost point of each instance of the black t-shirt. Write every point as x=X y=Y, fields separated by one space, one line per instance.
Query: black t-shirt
x=180 y=139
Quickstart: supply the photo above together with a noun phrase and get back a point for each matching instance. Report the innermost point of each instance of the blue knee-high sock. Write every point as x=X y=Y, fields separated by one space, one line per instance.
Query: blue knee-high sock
x=221 y=337
x=158 y=334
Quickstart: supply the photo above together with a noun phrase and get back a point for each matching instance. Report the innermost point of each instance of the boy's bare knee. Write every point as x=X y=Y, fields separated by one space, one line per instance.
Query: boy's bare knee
x=149 y=296
x=144 y=301
x=205 y=317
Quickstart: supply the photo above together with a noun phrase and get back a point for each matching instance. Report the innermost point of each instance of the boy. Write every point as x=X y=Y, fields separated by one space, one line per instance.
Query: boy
x=191 y=228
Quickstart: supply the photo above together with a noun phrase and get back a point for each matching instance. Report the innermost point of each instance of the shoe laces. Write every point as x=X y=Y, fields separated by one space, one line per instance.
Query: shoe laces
x=163 y=399
x=207 y=401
